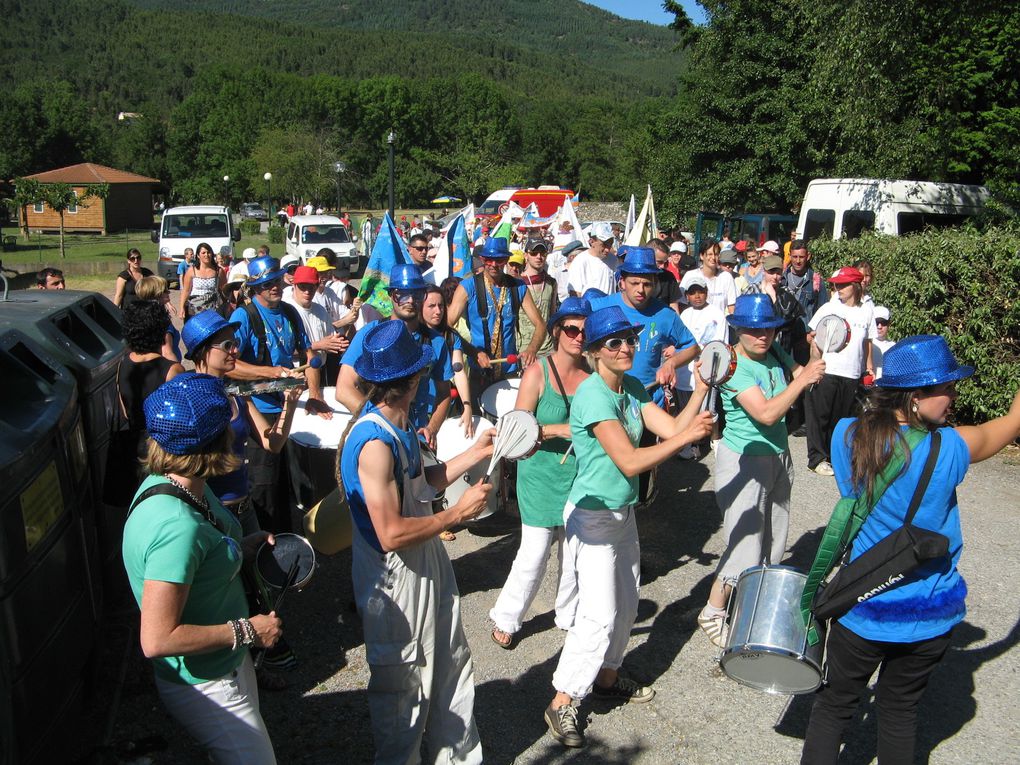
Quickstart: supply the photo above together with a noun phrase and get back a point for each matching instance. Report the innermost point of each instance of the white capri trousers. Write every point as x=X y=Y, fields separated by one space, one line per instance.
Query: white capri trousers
x=526 y=576
x=223 y=716
x=754 y=494
x=602 y=546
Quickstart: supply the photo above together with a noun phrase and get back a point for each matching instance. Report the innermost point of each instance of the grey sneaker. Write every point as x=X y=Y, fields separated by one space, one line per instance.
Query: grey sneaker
x=824 y=468
x=562 y=724
x=624 y=689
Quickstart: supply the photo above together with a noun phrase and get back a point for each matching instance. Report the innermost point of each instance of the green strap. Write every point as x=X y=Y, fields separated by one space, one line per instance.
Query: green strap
x=846 y=520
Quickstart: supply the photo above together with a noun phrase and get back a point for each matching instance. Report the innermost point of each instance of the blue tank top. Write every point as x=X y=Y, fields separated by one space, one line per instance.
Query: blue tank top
x=234 y=486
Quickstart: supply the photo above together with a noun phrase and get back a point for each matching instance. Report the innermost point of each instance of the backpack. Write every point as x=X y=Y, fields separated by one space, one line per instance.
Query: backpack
x=259 y=328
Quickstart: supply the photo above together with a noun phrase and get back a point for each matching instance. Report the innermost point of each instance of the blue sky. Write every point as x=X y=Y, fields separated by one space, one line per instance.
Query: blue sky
x=648 y=10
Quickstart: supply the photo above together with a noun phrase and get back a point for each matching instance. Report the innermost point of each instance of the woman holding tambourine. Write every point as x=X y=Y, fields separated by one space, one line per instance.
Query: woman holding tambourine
x=544 y=479
x=902 y=631
x=753 y=468
x=608 y=415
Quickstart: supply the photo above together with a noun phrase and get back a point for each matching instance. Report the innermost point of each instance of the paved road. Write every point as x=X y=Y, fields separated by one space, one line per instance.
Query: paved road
x=970 y=713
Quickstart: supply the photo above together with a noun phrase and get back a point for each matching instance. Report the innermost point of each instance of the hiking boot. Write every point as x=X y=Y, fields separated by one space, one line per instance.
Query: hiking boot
x=824 y=468
x=562 y=724
x=624 y=689
x=714 y=625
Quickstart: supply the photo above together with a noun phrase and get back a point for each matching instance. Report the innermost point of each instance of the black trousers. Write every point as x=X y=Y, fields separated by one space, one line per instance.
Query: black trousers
x=269 y=485
x=832 y=399
x=903 y=673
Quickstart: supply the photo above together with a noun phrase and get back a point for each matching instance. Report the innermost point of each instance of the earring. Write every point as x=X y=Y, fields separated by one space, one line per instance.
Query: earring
x=913 y=406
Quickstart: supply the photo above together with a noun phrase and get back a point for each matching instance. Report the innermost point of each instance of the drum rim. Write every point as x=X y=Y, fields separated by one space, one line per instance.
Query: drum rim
x=769 y=567
x=298 y=583
x=785 y=653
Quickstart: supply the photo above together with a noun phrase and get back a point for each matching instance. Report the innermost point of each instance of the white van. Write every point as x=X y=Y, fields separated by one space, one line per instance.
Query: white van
x=846 y=207
x=307 y=234
x=183 y=227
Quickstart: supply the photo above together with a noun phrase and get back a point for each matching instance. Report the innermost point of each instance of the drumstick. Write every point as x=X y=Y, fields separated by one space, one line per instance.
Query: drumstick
x=709 y=403
x=824 y=348
x=509 y=359
x=315 y=363
x=291 y=577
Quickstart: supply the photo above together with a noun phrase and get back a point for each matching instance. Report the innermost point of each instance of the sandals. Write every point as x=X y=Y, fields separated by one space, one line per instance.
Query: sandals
x=714 y=625
x=447 y=536
x=506 y=644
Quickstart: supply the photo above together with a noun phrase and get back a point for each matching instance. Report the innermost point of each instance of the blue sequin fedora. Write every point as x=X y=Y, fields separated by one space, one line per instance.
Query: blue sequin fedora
x=264 y=269
x=390 y=353
x=496 y=248
x=638 y=261
x=572 y=306
x=605 y=322
x=755 y=312
x=406 y=276
x=919 y=361
x=201 y=327
x=187 y=413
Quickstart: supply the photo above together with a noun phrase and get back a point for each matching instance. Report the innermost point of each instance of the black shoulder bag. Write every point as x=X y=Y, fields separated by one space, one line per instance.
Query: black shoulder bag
x=888 y=563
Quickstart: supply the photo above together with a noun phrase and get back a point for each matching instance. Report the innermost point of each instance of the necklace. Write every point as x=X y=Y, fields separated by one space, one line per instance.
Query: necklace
x=200 y=501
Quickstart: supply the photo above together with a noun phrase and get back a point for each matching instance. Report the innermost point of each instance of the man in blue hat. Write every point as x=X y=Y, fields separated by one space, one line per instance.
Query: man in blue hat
x=431 y=404
x=270 y=335
x=492 y=301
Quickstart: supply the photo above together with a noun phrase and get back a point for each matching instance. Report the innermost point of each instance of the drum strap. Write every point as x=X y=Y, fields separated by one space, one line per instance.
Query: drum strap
x=563 y=391
x=171 y=490
x=847 y=518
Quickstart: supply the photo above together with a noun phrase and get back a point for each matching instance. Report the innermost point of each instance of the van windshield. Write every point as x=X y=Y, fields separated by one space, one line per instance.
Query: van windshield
x=324 y=234
x=197 y=226
x=490 y=207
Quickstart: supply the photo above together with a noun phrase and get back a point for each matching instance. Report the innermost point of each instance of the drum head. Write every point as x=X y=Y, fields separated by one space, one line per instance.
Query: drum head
x=772 y=670
x=517 y=434
x=311 y=430
x=500 y=398
x=451 y=441
x=716 y=362
x=832 y=334
x=273 y=562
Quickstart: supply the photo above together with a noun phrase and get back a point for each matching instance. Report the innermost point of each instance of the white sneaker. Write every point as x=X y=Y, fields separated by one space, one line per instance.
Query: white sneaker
x=824 y=468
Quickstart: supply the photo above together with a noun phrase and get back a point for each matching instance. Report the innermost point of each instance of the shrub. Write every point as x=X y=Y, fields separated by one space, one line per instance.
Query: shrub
x=960 y=283
x=276 y=234
x=251 y=227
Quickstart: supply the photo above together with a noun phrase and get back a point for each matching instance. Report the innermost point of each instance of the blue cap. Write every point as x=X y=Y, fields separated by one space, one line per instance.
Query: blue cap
x=187 y=413
x=496 y=248
x=262 y=270
x=570 y=247
x=406 y=276
x=755 y=311
x=605 y=322
x=201 y=327
x=591 y=294
x=919 y=361
x=572 y=306
x=389 y=353
x=638 y=261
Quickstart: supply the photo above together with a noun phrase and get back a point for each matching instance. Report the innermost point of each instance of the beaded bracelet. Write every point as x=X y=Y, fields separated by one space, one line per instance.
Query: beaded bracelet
x=249 y=633
x=235 y=627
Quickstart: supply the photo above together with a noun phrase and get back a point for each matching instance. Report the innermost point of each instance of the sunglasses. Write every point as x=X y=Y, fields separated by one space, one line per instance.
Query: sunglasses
x=227 y=346
x=418 y=247
x=292 y=269
x=407 y=296
x=882 y=322
x=616 y=343
x=134 y=257
x=492 y=261
x=572 y=332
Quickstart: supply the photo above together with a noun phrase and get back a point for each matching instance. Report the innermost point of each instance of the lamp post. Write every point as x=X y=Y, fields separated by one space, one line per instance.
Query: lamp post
x=226 y=190
x=269 y=194
x=391 y=139
x=339 y=167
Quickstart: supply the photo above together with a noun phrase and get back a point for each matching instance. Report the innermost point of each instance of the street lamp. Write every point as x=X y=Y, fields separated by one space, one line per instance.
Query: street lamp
x=391 y=139
x=269 y=193
x=226 y=190
x=339 y=167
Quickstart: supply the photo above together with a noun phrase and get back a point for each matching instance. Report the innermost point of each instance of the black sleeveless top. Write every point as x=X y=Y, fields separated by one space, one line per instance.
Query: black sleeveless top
x=135 y=381
x=129 y=286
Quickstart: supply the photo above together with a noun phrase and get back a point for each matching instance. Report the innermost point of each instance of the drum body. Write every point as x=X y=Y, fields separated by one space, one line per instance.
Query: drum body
x=312 y=450
x=500 y=398
x=451 y=441
x=767 y=646
x=273 y=562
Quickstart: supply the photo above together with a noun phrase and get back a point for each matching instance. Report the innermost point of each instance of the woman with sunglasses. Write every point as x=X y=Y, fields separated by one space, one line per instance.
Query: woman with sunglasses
x=201 y=284
x=608 y=415
x=544 y=479
x=124 y=292
x=433 y=313
x=903 y=631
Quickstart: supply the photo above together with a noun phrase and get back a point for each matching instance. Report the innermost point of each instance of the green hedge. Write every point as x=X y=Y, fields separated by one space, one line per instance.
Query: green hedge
x=959 y=283
x=251 y=227
x=276 y=234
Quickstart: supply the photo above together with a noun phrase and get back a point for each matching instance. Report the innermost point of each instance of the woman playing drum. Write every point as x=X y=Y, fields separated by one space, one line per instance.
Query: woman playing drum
x=544 y=479
x=608 y=415
x=433 y=313
x=753 y=469
x=183 y=556
x=905 y=630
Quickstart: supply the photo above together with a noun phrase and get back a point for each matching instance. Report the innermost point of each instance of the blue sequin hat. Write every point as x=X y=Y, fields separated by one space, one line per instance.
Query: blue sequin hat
x=264 y=269
x=592 y=294
x=187 y=413
x=572 y=306
x=201 y=327
x=406 y=276
x=919 y=361
x=605 y=322
x=390 y=353
x=639 y=261
x=755 y=311
x=496 y=248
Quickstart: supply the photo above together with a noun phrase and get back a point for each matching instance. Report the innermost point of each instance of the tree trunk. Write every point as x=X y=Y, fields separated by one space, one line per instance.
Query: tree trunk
x=24 y=221
x=62 y=253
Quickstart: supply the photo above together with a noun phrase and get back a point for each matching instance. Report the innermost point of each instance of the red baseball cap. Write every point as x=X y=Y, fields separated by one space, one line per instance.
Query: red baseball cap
x=306 y=275
x=741 y=246
x=846 y=275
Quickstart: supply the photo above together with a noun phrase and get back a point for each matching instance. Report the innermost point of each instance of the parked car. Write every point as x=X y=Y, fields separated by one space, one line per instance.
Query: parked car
x=254 y=211
x=307 y=234
x=183 y=227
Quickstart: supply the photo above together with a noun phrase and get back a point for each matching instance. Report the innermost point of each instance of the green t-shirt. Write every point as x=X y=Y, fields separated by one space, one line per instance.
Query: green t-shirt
x=166 y=540
x=600 y=485
x=743 y=434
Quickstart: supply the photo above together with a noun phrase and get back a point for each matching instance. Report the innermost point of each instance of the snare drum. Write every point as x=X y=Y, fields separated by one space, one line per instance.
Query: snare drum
x=312 y=449
x=832 y=334
x=718 y=362
x=526 y=439
x=499 y=398
x=767 y=646
x=273 y=562
x=451 y=441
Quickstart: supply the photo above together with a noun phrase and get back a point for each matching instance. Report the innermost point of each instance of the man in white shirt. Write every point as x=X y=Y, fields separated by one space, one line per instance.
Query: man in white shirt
x=308 y=209
x=559 y=266
x=722 y=291
x=367 y=235
x=324 y=341
x=596 y=266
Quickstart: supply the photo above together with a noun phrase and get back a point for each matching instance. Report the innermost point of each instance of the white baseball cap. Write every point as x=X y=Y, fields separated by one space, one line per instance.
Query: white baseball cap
x=289 y=260
x=881 y=312
x=238 y=273
x=601 y=231
x=769 y=246
x=678 y=247
x=249 y=253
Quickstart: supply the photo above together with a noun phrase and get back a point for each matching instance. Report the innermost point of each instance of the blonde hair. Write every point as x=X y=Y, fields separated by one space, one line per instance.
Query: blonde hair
x=218 y=459
x=150 y=287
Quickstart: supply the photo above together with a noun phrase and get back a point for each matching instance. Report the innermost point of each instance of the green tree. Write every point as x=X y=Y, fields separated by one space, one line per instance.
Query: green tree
x=62 y=196
x=26 y=192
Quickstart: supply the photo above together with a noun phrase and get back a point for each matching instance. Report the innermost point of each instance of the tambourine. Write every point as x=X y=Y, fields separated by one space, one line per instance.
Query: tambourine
x=718 y=362
x=832 y=334
x=287 y=565
x=517 y=435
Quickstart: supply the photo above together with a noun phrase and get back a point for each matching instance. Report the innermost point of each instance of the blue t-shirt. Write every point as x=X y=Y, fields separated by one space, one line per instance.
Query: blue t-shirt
x=280 y=340
x=424 y=403
x=474 y=320
x=234 y=485
x=182 y=267
x=175 y=340
x=662 y=328
x=361 y=434
x=930 y=601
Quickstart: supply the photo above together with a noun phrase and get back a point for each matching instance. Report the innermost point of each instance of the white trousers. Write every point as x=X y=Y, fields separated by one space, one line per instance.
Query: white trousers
x=223 y=716
x=526 y=575
x=602 y=546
